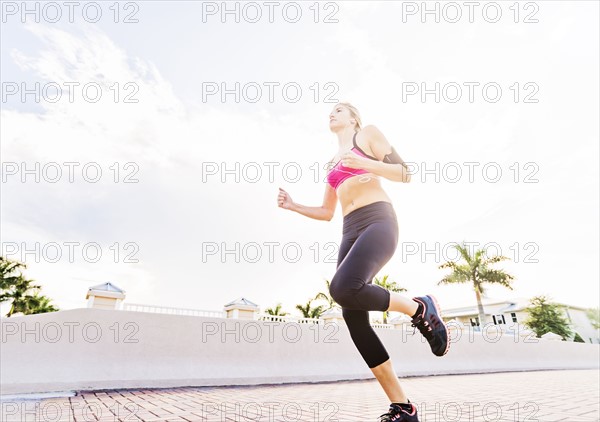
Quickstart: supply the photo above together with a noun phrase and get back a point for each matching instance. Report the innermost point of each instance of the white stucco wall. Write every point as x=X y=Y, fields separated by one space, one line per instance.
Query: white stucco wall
x=100 y=349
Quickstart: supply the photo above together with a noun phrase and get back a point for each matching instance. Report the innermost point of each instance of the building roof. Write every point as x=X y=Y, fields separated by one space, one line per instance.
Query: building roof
x=109 y=287
x=241 y=301
x=335 y=311
x=493 y=307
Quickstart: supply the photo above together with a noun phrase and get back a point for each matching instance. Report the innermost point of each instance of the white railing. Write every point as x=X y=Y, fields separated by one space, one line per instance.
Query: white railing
x=377 y=325
x=137 y=307
x=260 y=317
x=279 y=318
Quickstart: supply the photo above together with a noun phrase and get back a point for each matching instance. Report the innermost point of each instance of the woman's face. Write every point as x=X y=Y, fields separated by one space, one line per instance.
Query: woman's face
x=339 y=118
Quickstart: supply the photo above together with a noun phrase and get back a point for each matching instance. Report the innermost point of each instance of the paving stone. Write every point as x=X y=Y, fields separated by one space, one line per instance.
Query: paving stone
x=543 y=396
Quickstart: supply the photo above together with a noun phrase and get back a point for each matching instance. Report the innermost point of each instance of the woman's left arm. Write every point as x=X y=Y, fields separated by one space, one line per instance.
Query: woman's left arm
x=390 y=165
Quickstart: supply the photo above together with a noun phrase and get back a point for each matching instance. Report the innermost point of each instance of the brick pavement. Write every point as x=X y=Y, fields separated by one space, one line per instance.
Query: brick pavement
x=548 y=396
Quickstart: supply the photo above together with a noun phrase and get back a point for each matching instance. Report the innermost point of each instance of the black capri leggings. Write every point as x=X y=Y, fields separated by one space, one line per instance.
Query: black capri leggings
x=370 y=237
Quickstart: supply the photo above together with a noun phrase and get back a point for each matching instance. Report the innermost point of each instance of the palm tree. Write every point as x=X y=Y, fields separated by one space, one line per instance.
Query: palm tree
x=276 y=311
x=33 y=304
x=25 y=296
x=7 y=268
x=593 y=315
x=326 y=296
x=476 y=271
x=391 y=286
x=19 y=292
x=547 y=317
x=310 y=312
x=43 y=304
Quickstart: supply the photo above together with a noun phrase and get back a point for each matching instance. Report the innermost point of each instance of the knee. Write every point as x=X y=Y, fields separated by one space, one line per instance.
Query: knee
x=341 y=293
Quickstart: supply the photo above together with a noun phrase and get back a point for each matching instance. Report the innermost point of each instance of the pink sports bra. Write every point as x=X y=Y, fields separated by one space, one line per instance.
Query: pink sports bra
x=340 y=173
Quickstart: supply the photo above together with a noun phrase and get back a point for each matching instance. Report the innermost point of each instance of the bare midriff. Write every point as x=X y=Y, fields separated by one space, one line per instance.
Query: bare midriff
x=359 y=191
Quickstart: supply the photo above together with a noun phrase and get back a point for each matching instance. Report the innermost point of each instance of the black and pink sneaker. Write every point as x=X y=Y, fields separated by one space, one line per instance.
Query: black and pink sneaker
x=400 y=412
x=430 y=324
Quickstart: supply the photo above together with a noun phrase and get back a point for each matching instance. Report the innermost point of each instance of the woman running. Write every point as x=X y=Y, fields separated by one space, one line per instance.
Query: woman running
x=370 y=237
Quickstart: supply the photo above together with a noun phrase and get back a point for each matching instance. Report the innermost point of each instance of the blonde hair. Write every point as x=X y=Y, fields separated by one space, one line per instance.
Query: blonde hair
x=355 y=115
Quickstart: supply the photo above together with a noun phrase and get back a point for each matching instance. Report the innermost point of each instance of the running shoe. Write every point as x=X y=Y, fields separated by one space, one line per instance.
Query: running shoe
x=398 y=414
x=430 y=324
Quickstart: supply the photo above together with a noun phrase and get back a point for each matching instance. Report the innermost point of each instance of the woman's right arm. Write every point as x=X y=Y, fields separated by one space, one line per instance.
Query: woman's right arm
x=324 y=212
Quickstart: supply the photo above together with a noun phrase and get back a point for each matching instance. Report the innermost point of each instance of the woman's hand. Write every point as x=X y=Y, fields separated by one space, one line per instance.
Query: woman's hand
x=284 y=200
x=355 y=161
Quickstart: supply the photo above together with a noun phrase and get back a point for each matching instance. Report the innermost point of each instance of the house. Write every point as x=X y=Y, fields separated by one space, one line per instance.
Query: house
x=507 y=313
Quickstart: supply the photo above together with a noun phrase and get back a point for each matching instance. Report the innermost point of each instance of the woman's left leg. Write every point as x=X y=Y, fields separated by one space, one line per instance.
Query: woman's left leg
x=353 y=289
x=360 y=263
x=352 y=285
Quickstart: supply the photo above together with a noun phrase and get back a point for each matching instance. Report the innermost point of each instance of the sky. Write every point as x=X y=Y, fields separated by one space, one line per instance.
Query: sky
x=155 y=165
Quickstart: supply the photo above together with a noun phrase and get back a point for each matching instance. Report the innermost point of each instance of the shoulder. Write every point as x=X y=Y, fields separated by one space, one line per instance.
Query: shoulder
x=371 y=134
x=376 y=141
x=371 y=131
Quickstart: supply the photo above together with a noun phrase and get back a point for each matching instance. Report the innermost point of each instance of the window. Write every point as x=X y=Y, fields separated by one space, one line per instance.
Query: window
x=474 y=323
x=498 y=319
x=514 y=316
